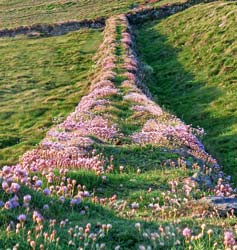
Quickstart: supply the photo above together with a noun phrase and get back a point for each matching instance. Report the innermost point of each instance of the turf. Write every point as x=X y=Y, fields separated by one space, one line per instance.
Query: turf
x=41 y=81
x=191 y=57
x=15 y=13
x=44 y=79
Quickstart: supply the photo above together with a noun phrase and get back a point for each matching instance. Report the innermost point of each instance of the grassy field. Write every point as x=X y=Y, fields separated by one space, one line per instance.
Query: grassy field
x=41 y=79
x=141 y=203
x=192 y=57
x=15 y=13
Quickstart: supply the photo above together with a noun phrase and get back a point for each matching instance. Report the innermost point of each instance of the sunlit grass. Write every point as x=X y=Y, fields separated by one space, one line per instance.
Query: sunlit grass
x=40 y=80
x=193 y=72
x=15 y=13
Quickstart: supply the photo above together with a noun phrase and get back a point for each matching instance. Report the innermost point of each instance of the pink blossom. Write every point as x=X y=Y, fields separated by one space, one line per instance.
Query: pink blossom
x=229 y=238
x=27 y=198
x=22 y=217
x=47 y=191
x=5 y=186
x=38 y=183
x=187 y=232
x=15 y=187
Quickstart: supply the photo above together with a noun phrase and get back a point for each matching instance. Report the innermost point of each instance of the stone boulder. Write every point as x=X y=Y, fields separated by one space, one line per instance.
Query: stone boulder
x=223 y=205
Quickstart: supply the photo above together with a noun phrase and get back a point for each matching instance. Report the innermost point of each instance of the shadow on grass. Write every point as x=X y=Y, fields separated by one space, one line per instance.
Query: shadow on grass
x=182 y=93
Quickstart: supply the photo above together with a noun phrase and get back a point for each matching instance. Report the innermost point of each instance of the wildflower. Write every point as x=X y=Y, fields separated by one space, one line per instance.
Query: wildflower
x=229 y=238
x=103 y=178
x=38 y=183
x=209 y=231
x=75 y=201
x=5 y=186
x=46 y=207
x=203 y=226
x=27 y=199
x=15 y=187
x=37 y=217
x=187 y=232
x=138 y=226
x=62 y=199
x=47 y=191
x=32 y=244
x=121 y=168
x=134 y=205
x=8 y=205
x=22 y=218
x=86 y=194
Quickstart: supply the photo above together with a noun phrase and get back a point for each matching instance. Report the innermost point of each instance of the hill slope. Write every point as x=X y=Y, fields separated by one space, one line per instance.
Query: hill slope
x=118 y=173
x=15 y=13
x=41 y=79
x=193 y=58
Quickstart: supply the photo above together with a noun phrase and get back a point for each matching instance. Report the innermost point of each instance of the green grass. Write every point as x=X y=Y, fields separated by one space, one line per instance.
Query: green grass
x=129 y=188
x=40 y=80
x=15 y=13
x=193 y=58
x=46 y=77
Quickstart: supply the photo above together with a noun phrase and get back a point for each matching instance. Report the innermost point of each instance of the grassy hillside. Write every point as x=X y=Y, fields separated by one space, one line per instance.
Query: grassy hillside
x=193 y=59
x=41 y=79
x=136 y=194
x=16 y=12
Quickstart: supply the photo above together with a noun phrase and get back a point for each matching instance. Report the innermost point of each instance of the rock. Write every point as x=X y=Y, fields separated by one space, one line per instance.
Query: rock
x=202 y=179
x=223 y=205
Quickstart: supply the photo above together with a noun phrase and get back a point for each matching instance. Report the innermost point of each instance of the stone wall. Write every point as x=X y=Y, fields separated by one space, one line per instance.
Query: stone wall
x=151 y=13
x=135 y=16
x=53 y=29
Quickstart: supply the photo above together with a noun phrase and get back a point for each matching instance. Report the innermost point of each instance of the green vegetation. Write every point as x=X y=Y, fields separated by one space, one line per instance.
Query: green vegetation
x=192 y=61
x=41 y=79
x=128 y=188
x=144 y=197
x=15 y=13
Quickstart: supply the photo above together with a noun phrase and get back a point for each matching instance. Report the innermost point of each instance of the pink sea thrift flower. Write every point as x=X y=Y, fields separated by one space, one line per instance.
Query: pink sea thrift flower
x=5 y=186
x=47 y=191
x=38 y=183
x=187 y=232
x=22 y=217
x=15 y=187
x=229 y=238
x=27 y=198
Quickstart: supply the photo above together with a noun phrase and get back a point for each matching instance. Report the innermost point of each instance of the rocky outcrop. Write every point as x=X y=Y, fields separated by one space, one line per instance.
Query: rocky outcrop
x=223 y=205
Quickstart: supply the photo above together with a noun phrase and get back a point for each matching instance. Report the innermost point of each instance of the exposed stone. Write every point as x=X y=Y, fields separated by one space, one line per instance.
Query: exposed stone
x=150 y=13
x=202 y=179
x=135 y=16
x=54 y=29
x=223 y=205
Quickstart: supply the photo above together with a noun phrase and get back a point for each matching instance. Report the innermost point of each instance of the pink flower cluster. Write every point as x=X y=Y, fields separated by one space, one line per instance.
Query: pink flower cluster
x=229 y=239
x=137 y=90
x=223 y=188
x=164 y=128
x=176 y=132
x=66 y=146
